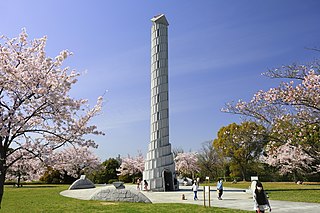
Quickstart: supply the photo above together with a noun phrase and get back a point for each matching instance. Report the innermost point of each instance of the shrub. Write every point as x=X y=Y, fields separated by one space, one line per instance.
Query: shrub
x=112 y=180
x=125 y=178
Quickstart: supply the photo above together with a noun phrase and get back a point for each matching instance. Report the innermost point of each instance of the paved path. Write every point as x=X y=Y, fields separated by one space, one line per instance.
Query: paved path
x=232 y=198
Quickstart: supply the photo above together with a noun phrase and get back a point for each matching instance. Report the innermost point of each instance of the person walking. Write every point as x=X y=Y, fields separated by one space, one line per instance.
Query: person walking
x=145 y=185
x=261 y=202
x=220 y=188
x=138 y=183
x=195 y=189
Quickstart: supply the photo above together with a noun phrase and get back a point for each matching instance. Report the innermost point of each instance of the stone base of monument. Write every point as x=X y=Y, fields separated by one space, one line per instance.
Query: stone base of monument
x=123 y=195
x=108 y=193
x=82 y=183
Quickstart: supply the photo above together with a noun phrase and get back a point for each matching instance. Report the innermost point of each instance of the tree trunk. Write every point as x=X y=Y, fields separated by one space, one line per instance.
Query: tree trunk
x=2 y=177
x=295 y=176
x=243 y=176
x=19 y=179
x=243 y=172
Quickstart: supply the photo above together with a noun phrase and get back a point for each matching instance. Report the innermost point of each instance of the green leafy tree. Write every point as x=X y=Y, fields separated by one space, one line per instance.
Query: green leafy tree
x=55 y=176
x=51 y=176
x=242 y=144
x=107 y=171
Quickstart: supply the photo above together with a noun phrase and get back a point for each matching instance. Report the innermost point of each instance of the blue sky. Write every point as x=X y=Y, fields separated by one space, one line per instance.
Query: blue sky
x=217 y=52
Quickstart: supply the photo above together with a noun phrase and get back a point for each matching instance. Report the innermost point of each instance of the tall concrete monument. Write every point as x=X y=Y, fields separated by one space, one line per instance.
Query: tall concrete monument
x=159 y=165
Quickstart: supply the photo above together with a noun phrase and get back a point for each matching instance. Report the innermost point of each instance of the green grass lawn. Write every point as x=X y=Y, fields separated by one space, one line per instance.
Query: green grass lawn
x=46 y=198
x=307 y=192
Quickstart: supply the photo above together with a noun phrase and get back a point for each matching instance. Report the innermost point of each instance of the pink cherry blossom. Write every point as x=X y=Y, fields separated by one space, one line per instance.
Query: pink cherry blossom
x=37 y=113
x=24 y=166
x=186 y=163
x=75 y=160
x=290 y=159
x=290 y=113
x=132 y=165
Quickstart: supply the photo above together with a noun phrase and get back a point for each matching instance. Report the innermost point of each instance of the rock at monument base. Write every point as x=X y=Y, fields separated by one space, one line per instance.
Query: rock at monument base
x=82 y=183
x=118 y=185
x=121 y=195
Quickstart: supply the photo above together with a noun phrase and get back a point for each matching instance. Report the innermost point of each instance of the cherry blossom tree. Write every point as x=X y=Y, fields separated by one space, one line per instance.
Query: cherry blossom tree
x=290 y=159
x=75 y=161
x=27 y=168
x=291 y=111
x=187 y=163
x=37 y=114
x=71 y=161
x=132 y=165
x=298 y=98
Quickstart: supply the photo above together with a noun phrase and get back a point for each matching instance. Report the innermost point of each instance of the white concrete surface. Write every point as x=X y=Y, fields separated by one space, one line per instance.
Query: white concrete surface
x=232 y=198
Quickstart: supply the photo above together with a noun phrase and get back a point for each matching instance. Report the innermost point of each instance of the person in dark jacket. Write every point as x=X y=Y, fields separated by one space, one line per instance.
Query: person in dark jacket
x=145 y=185
x=261 y=202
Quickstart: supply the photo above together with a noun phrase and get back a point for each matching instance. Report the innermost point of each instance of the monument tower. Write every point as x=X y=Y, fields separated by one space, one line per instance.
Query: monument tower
x=159 y=165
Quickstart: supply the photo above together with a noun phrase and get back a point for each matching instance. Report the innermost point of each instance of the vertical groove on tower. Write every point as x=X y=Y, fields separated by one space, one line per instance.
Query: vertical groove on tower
x=159 y=160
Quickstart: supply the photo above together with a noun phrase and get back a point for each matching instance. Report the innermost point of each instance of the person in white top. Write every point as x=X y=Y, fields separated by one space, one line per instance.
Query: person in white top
x=195 y=187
